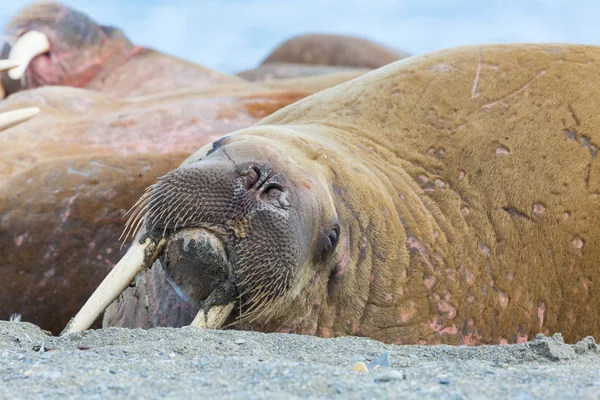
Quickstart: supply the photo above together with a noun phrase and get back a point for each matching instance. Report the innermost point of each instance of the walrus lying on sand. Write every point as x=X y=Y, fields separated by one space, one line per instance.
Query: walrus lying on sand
x=451 y=197
x=56 y=45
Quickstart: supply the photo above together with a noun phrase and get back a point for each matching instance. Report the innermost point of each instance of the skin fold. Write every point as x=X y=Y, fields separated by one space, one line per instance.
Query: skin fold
x=452 y=197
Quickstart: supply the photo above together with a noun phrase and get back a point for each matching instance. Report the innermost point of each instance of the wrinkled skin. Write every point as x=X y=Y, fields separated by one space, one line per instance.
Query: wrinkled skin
x=62 y=214
x=333 y=50
x=465 y=185
x=85 y=54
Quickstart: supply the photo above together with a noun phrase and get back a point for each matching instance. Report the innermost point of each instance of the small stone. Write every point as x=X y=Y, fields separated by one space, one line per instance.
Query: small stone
x=390 y=375
x=172 y=355
x=360 y=367
x=28 y=372
x=240 y=341
x=383 y=361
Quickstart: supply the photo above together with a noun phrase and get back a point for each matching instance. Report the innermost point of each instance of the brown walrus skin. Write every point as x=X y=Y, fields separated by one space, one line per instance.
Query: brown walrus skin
x=453 y=197
x=88 y=55
x=68 y=176
x=333 y=50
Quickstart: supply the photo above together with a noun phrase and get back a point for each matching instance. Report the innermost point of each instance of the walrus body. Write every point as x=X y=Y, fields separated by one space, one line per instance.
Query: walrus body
x=453 y=197
x=333 y=50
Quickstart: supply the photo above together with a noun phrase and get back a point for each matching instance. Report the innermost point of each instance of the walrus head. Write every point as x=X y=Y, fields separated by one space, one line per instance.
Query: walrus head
x=244 y=224
x=56 y=45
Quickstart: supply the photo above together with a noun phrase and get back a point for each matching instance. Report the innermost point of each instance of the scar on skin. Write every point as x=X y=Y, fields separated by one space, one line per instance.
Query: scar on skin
x=541 y=312
x=474 y=93
x=492 y=104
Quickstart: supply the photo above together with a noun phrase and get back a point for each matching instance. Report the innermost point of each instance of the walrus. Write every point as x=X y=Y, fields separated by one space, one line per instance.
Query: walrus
x=59 y=46
x=451 y=197
x=333 y=50
x=68 y=176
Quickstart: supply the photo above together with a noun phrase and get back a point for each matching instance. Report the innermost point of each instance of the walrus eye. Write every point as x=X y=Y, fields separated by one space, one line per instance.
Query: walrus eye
x=329 y=241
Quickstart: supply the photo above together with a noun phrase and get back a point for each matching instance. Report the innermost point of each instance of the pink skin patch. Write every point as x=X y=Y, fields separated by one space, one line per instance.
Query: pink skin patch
x=344 y=259
x=325 y=332
x=541 y=312
x=502 y=299
x=423 y=178
x=388 y=298
x=502 y=341
x=443 y=330
x=465 y=211
x=414 y=244
x=446 y=308
x=469 y=277
x=470 y=299
x=440 y=184
x=485 y=250
x=50 y=273
x=407 y=314
x=502 y=151
x=538 y=209
x=521 y=338
x=470 y=339
x=19 y=240
x=461 y=175
x=577 y=243
x=429 y=281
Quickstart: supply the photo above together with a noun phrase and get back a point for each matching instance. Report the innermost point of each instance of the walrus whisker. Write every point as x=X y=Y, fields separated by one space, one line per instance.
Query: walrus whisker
x=144 y=198
x=214 y=318
x=12 y=118
x=138 y=257
x=186 y=209
x=139 y=208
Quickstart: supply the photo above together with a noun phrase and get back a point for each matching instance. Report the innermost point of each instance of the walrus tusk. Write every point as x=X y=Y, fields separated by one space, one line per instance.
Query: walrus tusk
x=5 y=65
x=214 y=319
x=12 y=118
x=30 y=45
x=138 y=257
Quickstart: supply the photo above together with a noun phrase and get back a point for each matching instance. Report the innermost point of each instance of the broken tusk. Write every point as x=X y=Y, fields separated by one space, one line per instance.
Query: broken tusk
x=138 y=257
x=214 y=319
x=12 y=118
x=5 y=65
x=28 y=46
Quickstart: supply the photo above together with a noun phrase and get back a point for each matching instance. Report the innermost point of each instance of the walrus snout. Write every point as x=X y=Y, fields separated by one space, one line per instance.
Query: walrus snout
x=195 y=264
